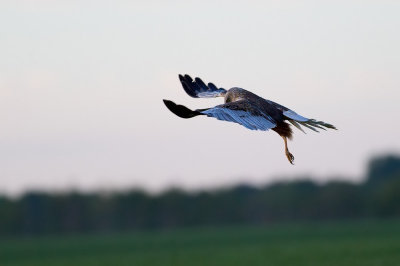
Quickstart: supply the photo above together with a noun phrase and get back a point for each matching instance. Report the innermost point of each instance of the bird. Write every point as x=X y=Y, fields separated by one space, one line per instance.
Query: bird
x=245 y=108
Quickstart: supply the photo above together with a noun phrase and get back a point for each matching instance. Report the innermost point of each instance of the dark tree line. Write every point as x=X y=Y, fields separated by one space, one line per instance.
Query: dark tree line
x=41 y=213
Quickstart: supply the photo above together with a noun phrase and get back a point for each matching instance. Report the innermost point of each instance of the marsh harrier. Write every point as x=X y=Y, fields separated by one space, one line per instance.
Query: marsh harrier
x=245 y=108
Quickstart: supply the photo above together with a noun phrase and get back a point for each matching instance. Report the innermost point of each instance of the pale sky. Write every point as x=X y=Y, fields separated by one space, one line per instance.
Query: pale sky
x=82 y=83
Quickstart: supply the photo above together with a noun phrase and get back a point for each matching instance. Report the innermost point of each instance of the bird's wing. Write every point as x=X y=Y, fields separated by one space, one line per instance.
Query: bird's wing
x=295 y=116
x=287 y=112
x=243 y=113
x=198 y=89
x=297 y=120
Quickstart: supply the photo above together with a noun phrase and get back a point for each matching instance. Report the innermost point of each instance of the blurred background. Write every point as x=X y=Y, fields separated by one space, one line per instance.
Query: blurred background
x=95 y=170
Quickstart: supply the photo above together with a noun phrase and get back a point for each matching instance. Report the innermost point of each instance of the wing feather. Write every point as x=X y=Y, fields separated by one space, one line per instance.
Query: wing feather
x=243 y=114
x=198 y=89
x=295 y=116
x=294 y=123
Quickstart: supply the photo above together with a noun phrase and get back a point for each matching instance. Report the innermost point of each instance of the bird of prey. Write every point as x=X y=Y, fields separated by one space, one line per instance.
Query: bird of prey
x=245 y=108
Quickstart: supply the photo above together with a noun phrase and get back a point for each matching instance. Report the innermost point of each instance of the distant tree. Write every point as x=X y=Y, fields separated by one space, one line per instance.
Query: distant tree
x=383 y=169
x=43 y=213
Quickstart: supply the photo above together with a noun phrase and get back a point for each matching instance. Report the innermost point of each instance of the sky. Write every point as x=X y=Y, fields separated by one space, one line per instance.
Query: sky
x=82 y=83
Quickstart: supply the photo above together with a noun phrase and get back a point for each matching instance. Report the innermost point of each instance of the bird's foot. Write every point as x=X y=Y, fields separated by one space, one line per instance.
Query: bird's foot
x=289 y=156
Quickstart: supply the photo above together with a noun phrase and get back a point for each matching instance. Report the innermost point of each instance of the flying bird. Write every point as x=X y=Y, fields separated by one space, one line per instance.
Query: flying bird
x=245 y=108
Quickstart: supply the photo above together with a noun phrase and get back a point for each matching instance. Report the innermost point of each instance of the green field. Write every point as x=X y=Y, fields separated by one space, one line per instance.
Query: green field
x=340 y=243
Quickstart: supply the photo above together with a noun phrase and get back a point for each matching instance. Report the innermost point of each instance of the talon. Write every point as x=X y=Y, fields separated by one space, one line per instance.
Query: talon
x=290 y=157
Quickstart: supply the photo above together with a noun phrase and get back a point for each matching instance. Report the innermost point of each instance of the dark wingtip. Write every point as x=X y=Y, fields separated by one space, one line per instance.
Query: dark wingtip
x=170 y=105
x=188 y=85
x=188 y=78
x=167 y=102
x=180 y=110
x=329 y=126
x=201 y=84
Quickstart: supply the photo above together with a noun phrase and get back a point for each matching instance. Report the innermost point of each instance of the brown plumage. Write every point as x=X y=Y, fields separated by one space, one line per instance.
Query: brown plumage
x=245 y=108
x=284 y=130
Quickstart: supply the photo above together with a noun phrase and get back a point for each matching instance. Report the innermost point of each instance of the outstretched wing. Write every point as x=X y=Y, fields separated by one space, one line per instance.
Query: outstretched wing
x=243 y=113
x=297 y=120
x=198 y=89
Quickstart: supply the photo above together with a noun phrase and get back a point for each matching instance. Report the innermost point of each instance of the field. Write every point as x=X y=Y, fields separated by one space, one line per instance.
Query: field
x=336 y=243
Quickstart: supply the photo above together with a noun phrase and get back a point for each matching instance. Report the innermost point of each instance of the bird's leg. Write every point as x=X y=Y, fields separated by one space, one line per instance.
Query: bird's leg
x=289 y=156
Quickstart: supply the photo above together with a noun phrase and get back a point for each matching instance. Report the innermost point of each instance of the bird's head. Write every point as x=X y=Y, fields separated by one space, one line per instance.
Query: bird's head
x=234 y=94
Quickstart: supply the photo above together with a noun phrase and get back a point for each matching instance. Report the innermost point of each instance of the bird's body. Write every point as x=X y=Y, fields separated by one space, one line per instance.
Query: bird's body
x=245 y=100
x=245 y=108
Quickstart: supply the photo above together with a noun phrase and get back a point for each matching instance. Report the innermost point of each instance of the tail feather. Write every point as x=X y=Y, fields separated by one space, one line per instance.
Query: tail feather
x=313 y=124
x=294 y=123
x=326 y=125
x=305 y=124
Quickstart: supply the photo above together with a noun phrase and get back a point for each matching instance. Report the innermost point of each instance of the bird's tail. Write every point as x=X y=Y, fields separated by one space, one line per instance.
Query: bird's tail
x=180 y=110
x=312 y=124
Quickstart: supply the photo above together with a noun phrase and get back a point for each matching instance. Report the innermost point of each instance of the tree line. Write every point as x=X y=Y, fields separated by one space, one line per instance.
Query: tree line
x=378 y=196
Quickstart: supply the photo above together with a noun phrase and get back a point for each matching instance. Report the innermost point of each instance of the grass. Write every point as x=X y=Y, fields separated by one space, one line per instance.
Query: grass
x=337 y=243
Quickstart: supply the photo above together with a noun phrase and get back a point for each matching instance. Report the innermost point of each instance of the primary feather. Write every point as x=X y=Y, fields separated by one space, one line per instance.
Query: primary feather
x=198 y=89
